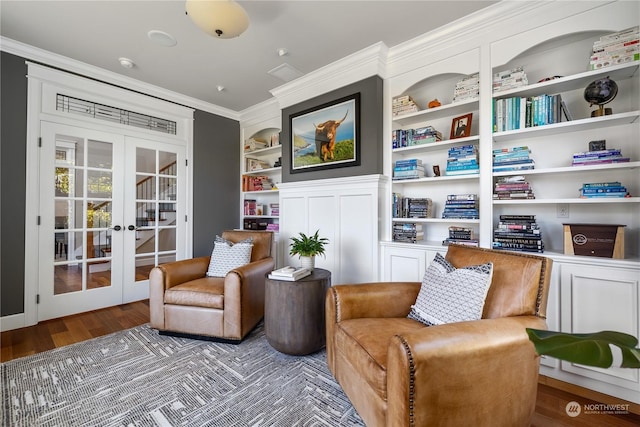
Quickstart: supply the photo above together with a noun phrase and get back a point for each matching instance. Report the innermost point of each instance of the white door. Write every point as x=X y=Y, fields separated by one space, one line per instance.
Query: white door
x=99 y=233
x=154 y=211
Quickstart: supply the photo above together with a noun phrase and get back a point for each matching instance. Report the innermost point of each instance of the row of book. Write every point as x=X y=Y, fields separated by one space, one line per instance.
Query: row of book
x=253 y=208
x=403 y=105
x=467 y=88
x=461 y=236
x=512 y=188
x=520 y=112
x=411 y=207
x=408 y=169
x=256 y=183
x=410 y=137
x=603 y=189
x=599 y=157
x=509 y=79
x=462 y=160
x=461 y=206
x=407 y=232
x=518 y=233
x=512 y=159
x=616 y=48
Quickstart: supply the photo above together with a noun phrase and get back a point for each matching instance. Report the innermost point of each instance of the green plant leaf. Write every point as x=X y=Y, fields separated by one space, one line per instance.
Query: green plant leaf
x=304 y=245
x=586 y=349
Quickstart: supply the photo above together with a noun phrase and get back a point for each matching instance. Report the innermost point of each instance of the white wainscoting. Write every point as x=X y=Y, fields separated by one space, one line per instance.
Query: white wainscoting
x=346 y=211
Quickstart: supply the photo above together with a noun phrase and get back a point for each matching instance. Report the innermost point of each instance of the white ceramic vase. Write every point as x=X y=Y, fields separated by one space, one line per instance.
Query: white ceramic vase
x=308 y=262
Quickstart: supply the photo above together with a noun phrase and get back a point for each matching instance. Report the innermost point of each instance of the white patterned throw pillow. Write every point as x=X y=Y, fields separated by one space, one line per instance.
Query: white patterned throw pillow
x=226 y=256
x=450 y=295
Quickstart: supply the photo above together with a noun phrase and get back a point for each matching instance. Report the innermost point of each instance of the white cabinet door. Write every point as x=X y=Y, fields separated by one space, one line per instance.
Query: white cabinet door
x=596 y=299
x=402 y=264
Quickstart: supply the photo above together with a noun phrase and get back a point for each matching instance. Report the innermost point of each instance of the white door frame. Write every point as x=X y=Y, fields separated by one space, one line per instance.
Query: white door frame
x=44 y=84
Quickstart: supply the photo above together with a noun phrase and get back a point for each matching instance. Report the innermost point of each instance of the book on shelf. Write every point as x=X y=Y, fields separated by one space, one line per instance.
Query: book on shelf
x=599 y=157
x=616 y=48
x=518 y=112
x=288 y=273
x=509 y=79
x=603 y=189
x=252 y=165
x=256 y=183
x=518 y=233
x=466 y=88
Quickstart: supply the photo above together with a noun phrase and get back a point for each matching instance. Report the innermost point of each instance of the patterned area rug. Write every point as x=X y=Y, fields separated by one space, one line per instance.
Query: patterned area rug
x=139 y=378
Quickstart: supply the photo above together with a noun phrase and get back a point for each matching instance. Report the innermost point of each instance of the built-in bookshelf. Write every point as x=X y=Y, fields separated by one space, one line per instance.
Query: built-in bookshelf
x=261 y=175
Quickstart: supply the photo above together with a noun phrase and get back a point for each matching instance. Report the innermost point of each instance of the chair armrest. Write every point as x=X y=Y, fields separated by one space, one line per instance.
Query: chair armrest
x=465 y=367
x=381 y=299
x=244 y=296
x=174 y=273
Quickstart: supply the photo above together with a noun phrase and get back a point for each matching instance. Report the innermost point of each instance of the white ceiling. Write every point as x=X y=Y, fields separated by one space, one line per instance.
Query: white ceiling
x=315 y=33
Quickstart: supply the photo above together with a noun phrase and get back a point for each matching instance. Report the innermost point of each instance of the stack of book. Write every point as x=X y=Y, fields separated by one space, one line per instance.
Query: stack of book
x=600 y=157
x=403 y=105
x=289 y=274
x=417 y=207
x=512 y=187
x=409 y=137
x=616 y=48
x=603 y=189
x=467 y=88
x=256 y=183
x=461 y=236
x=512 y=159
x=509 y=79
x=461 y=206
x=274 y=209
x=518 y=233
x=407 y=232
x=253 y=144
x=273 y=227
x=408 y=169
x=250 y=207
x=519 y=113
x=462 y=160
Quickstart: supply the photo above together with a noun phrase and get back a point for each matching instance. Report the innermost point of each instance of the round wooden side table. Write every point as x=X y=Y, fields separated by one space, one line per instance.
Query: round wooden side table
x=294 y=313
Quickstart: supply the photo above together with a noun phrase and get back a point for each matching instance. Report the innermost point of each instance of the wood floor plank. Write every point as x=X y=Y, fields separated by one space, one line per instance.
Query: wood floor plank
x=550 y=405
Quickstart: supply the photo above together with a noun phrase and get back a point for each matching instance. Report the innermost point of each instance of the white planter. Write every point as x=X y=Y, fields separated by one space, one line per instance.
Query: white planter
x=308 y=262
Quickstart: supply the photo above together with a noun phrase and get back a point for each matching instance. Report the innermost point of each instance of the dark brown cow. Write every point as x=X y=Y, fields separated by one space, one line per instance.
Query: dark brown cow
x=326 y=137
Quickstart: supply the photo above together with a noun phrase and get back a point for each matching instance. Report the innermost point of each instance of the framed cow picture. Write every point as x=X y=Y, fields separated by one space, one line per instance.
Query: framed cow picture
x=326 y=136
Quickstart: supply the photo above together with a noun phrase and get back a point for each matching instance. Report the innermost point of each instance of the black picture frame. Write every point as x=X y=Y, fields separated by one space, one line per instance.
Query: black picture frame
x=317 y=143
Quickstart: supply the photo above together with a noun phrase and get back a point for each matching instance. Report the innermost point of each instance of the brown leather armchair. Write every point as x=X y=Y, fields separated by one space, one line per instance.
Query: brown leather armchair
x=183 y=300
x=399 y=372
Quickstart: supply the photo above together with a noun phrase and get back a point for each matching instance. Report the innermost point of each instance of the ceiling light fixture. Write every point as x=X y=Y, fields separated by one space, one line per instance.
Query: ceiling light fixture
x=126 y=62
x=282 y=51
x=223 y=19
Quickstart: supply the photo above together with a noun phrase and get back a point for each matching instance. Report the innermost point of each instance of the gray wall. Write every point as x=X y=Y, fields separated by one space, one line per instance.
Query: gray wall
x=13 y=157
x=216 y=191
x=216 y=179
x=370 y=91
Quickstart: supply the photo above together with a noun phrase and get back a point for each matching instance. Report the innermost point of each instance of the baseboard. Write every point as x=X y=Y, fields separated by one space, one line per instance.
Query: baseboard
x=634 y=408
x=14 y=321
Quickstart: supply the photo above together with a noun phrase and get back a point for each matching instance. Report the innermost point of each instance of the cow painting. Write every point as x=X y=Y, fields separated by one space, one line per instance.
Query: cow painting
x=326 y=138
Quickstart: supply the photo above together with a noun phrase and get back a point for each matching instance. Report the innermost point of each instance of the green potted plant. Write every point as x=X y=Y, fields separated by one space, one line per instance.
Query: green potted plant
x=307 y=247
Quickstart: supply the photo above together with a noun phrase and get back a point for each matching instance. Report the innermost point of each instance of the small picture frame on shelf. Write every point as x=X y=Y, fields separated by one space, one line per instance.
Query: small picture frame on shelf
x=598 y=145
x=461 y=126
x=436 y=170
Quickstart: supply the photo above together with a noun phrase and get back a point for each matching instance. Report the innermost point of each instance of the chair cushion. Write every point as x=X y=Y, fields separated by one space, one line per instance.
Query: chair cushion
x=365 y=342
x=226 y=256
x=451 y=295
x=207 y=292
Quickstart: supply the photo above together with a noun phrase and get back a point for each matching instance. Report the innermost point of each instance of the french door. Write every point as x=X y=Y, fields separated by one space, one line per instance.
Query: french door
x=111 y=208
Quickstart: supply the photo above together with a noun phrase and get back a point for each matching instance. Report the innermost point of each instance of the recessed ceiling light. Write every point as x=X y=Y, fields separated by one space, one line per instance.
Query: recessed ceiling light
x=220 y=88
x=162 y=38
x=126 y=62
x=282 y=51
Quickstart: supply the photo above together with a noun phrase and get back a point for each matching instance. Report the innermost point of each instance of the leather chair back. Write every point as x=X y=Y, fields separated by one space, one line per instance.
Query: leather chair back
x=262 y=241
x=520 y=281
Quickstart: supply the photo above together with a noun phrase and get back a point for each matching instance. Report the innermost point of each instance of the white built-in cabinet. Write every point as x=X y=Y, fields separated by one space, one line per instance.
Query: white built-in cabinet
x=587 y=294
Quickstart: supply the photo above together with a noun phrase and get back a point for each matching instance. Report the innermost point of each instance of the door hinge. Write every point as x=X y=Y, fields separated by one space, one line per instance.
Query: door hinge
x=185 y=219
x=39 y=141
x=186 y=162
x=38 y=219
x=38 y=299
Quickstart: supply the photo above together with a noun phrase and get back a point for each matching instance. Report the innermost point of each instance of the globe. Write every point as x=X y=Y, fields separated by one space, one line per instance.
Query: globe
x=600 y=92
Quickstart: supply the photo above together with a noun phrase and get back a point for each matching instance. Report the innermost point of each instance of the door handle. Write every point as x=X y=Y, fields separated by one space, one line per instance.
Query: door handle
x=117 y=228
x=132 y=227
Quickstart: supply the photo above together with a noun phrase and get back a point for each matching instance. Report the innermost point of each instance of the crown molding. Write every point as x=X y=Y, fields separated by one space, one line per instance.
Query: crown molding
x=265 y=110
x=365 y=63
x=64 y=63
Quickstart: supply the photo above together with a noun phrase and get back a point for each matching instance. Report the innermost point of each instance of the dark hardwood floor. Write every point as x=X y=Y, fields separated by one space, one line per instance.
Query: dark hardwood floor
x=553 y=395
